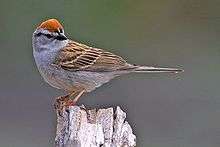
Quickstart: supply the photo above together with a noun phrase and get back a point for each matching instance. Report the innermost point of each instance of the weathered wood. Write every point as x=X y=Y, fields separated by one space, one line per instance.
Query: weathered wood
x=77 y=127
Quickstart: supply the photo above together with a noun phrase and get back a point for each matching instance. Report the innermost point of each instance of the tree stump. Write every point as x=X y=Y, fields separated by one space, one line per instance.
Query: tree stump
x=78 y=127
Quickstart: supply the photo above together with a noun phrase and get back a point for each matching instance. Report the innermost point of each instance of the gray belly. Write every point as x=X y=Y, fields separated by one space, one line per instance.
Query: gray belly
x=68 y=80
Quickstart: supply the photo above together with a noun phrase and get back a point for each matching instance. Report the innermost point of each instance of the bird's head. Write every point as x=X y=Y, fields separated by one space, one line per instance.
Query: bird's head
x=49 y=32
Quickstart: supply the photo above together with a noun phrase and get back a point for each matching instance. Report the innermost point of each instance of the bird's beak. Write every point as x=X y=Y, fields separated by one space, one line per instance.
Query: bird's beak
x=61 y=37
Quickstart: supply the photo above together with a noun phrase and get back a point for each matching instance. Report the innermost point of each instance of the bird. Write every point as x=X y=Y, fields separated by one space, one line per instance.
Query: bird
x=75 y=67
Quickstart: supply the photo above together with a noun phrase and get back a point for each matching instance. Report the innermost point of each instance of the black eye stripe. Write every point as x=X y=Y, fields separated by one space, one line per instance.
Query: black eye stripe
x=59 y=37
x=47 y=35
x=39 y=34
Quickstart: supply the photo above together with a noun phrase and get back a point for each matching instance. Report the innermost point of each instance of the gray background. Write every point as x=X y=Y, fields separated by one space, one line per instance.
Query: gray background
x=165 y=110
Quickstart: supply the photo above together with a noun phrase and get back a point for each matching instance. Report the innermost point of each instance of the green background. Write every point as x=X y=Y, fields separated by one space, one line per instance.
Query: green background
x=164 y=110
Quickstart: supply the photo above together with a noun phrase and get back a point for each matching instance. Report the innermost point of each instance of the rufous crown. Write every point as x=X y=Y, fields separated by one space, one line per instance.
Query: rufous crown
x=51 y=25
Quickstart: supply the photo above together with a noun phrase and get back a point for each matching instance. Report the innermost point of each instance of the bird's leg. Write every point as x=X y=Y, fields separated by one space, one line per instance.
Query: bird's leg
x=82 y=107
x=78 y=96
x=66 y=101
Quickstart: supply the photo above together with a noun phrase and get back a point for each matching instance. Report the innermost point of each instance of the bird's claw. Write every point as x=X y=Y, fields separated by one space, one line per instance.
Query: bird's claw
x=62 y=103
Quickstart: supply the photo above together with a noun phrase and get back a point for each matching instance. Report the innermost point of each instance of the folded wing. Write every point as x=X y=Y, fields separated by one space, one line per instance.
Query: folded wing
x=76 y=56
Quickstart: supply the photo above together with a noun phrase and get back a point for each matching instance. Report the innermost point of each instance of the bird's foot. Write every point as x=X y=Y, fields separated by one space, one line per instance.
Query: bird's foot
x=62 y=103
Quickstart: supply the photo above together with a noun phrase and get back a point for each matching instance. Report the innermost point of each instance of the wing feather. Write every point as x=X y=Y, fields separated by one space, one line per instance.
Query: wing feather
x=76 y=56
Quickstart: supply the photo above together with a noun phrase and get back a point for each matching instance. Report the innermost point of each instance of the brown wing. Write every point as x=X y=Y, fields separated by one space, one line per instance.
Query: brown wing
x=76 y=56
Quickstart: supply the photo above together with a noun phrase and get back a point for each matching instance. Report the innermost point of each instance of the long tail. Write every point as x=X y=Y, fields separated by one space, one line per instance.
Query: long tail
x=156 y=69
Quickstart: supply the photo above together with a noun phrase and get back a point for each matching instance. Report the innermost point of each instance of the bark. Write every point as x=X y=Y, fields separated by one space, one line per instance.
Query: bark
x=77 y=127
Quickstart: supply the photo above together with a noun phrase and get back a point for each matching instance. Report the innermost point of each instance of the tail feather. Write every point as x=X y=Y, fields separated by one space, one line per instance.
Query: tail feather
x=156 y=69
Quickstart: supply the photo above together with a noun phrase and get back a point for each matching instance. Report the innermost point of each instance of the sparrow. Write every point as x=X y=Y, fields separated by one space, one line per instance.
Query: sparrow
x=75 y=67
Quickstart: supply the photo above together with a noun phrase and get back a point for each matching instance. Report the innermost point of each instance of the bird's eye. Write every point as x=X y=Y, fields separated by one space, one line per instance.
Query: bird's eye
x=61 y=30
x=48 y=36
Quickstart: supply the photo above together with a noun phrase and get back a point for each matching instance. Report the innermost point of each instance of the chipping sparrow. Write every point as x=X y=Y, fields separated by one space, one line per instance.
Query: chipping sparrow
x=75 y=67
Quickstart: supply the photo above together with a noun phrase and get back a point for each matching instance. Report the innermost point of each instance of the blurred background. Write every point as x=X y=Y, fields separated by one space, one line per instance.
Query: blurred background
x=164 y=110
